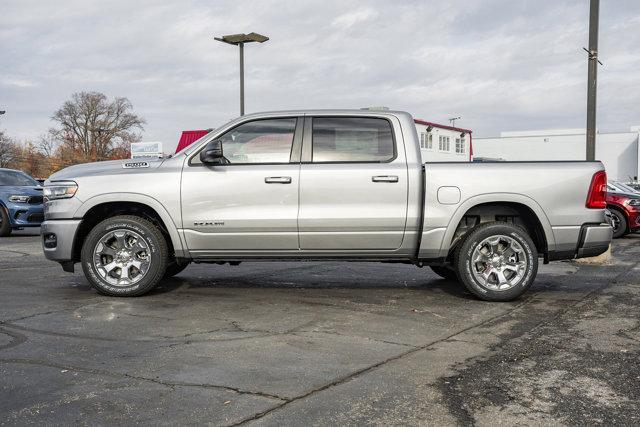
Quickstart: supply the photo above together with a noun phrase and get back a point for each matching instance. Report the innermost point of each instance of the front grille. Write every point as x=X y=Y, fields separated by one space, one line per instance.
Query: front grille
x=36 y=217
x=35 y=200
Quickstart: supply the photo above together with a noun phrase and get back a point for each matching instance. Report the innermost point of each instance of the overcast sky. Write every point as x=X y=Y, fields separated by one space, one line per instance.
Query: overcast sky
x=500 y=64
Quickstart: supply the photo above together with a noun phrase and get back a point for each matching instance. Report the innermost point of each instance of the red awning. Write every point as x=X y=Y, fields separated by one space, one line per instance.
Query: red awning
x=190 y=136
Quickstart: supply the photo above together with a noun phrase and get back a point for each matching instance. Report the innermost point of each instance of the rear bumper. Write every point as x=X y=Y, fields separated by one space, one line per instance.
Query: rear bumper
x=57 y=239
x=594 y=240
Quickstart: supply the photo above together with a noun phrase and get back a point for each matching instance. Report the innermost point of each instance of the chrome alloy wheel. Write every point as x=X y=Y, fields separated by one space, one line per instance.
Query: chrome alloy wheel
x=615 y=222
x=122 y=257
x=498 y=263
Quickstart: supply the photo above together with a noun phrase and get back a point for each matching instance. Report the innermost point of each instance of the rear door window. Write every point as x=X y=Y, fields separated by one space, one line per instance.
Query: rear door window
x=352 y=139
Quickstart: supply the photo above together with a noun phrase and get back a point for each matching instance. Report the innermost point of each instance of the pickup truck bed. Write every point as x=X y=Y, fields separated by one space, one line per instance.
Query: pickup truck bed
x=551 y=195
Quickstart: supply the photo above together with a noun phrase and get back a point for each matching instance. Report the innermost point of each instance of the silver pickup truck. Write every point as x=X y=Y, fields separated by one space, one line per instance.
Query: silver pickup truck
x=344 y=185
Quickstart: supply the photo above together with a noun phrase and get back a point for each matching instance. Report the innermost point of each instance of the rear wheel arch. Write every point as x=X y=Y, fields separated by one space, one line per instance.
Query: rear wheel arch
x=621 y=211
x=524 y=215
x=496 y=261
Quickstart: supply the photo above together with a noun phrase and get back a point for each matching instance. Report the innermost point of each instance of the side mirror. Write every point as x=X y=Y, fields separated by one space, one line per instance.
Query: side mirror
x=212 y=153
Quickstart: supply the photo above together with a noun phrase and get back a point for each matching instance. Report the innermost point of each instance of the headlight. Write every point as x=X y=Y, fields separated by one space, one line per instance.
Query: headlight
x=62 y=190
x=19 y=199
x=634 y=202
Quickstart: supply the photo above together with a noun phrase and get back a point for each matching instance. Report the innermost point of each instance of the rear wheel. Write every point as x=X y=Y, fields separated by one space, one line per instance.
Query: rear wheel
x=5 y=227
x=124 y=256
x=619 y=223
x=497 y=261
x=446 y=273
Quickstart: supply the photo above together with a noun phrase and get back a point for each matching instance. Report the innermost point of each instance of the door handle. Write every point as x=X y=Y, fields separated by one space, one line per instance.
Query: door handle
x=278 y=180
x=385 y=178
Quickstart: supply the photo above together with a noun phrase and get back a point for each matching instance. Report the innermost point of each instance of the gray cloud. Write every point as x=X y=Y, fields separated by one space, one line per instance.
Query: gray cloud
x=499 y=64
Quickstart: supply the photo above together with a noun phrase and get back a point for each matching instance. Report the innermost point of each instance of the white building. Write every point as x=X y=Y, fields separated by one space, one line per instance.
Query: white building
x=618 y=151
x=441 y=143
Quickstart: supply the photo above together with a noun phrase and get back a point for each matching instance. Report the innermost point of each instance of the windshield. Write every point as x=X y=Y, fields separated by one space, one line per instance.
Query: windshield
x=18 y=179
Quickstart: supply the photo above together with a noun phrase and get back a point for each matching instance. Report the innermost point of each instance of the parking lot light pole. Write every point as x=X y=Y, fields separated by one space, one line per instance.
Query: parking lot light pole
x=239 y=40
x=594 y=12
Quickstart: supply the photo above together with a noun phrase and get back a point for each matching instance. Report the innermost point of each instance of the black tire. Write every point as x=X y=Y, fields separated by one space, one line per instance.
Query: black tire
x=620 y=227
x=174 y=268
x=157 y=255
x=445 y=272
x=528 y=255
x=5 y=227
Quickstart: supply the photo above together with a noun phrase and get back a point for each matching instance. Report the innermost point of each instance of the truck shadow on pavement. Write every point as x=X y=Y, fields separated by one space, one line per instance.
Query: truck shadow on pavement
x=184 y=282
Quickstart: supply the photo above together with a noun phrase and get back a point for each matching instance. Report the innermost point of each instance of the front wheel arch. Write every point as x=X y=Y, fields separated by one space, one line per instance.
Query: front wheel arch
x=102 y=211
x=148 y=240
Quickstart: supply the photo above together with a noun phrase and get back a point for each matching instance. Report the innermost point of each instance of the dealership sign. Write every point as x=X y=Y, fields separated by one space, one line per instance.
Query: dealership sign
x=146 y=150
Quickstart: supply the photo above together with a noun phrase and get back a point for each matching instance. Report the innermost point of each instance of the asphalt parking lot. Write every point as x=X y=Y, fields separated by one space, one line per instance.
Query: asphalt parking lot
x=318 y=343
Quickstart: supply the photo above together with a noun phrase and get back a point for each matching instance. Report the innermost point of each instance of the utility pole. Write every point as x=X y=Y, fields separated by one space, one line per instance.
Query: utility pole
x=241 y=45
x=594 y=12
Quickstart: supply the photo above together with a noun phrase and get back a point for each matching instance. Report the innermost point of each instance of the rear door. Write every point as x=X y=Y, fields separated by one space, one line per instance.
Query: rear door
x=353 y=185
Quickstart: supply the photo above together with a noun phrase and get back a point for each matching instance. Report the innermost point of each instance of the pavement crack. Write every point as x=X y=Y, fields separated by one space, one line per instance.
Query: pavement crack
x=146 y=316
x=31 y=316
x=168 y=384
x=374 y=366
x=17 y=339
x=15 y=252
x=353 y=336
x=9 y=322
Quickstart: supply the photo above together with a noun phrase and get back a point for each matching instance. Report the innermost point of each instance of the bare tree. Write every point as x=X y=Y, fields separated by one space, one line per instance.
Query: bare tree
x=95 y=128
x=8 y=151
x=47 y=144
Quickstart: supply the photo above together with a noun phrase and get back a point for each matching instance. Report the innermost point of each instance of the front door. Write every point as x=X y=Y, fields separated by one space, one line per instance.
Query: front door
x=353 y=185
x=251 y=201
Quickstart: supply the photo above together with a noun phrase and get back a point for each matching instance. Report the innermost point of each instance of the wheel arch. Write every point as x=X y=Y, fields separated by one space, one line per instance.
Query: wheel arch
x=617 y=207
x=531 y=215
x=102 y=207
x=4 y=209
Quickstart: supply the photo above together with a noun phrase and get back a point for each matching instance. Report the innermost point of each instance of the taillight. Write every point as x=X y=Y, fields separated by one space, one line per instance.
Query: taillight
x=597 y=197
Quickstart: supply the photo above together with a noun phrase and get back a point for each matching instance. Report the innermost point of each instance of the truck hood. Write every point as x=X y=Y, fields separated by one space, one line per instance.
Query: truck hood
x=111 y=167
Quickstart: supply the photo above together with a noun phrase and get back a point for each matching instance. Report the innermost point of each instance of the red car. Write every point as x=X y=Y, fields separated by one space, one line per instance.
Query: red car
x=625 y=212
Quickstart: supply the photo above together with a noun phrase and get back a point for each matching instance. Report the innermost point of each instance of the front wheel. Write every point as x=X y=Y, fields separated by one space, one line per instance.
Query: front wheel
x=124 y=256
x=497 y=261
